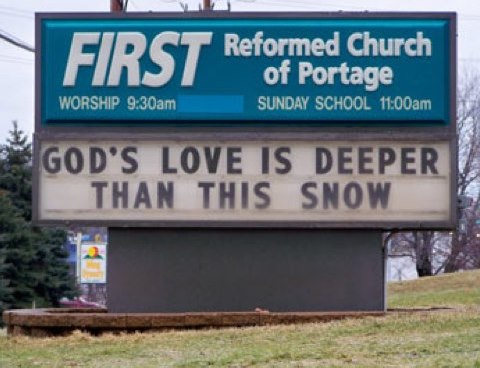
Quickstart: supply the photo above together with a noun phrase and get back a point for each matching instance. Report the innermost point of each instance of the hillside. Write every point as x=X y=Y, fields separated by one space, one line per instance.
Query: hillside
x=460 y=289
x=439 y=338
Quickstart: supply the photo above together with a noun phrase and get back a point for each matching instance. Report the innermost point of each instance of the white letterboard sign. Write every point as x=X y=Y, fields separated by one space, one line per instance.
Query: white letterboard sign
x=309 y=183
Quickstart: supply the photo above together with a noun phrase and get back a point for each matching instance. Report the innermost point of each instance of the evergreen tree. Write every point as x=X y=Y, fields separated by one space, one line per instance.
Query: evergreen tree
x=34 y=267
x=50 y=267
x=17 y=252
x=6 y=297
x=16 y=170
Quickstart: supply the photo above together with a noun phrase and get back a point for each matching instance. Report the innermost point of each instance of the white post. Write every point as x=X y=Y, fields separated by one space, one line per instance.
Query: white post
x=79 y=256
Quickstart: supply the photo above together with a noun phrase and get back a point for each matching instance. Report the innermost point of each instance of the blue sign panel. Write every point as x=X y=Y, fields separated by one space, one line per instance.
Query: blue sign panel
x=139 y=70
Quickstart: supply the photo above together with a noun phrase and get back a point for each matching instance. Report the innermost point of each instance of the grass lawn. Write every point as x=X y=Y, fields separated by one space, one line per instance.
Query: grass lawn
x=446 y=338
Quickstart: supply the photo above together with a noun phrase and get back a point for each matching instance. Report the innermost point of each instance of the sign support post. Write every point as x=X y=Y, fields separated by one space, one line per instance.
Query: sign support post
x=79 y=256
x=116 y=6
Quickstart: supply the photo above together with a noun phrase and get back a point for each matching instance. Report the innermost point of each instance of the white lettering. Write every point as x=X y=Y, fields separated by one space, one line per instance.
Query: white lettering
x=123 y=59
x=128 y=50
x=194 y=41
x=371 y=77
x=163 y=59
x=77 y=57
x=362 y=44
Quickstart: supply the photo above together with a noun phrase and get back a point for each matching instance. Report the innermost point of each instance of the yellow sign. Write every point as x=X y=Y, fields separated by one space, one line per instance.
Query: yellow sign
x=93 y=264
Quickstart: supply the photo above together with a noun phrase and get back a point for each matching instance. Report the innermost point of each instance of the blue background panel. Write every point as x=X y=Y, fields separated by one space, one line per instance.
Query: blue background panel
x=227 y=89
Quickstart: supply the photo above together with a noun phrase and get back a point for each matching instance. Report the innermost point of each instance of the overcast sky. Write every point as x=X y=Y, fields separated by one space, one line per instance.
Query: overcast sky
x=17 y=19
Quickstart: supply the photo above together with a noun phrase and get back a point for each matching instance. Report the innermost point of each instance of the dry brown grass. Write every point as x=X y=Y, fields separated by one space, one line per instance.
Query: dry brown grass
x=428 y=339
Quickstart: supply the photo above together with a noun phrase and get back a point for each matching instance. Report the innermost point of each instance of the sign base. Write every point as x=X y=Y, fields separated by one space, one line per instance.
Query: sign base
x=218 y=270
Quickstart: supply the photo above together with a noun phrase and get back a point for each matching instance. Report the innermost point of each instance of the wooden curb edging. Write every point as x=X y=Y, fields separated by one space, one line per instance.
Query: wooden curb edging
x=62 y=321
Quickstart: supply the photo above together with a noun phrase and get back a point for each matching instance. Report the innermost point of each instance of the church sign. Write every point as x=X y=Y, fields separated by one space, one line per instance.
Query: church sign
x=246 y=120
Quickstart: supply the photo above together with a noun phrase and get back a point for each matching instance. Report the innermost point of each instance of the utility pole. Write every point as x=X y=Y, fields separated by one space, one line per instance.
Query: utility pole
x=207 y=5
x=116 y=6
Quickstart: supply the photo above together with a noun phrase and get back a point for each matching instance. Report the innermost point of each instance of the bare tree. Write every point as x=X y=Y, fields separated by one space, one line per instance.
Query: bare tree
x=436 y=252
x=468 y=127
x=420 y=246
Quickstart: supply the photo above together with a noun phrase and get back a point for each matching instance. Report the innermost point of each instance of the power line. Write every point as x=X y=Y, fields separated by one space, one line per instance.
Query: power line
x=470 y=60
x=16 y=10
x=10 y=14
x=134 y=5
x=14 y=60
x=310 y=4
x=280 y=4
x=15 y=41
x=305 y=4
